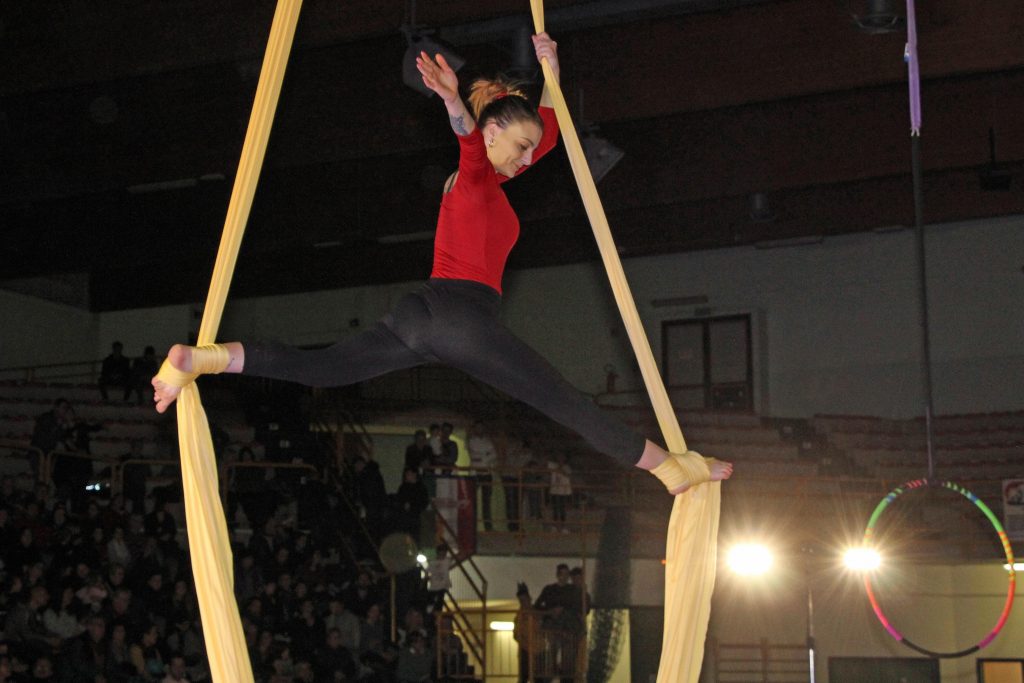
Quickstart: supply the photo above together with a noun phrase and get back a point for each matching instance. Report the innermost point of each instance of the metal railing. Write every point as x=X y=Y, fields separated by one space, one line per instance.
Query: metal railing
x=35 y=460
x=761 y=662
x=538 y=649
x=84 y=371
x=474 y=635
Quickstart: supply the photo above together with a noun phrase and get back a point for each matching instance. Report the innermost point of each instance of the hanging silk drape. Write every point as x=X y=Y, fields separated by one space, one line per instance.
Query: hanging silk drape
x=691 y=548
x=209 y=545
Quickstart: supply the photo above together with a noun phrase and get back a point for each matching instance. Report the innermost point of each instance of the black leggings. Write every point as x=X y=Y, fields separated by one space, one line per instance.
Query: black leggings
x=454 y=322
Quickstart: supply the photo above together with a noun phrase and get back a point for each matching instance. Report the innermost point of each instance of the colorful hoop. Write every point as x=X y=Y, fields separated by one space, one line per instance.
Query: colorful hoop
x=869 y=533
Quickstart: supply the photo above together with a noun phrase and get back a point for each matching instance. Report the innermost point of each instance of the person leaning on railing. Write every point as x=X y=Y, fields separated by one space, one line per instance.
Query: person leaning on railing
x=526 y=632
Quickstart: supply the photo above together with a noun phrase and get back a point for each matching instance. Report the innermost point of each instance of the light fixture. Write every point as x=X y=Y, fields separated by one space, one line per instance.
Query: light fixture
x=524 y=55
x=878 y=16
x=862 y=559
x=601 y=155
x=749 y=559
x=502 y=626
x=421 y=558
x=418 y=42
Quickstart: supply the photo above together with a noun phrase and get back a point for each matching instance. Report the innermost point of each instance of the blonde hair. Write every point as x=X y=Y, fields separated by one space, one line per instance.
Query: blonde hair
x=501 y=99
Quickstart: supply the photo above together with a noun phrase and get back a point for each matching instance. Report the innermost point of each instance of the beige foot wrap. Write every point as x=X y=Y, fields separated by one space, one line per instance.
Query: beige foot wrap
x=685 y=469
x=206 y=360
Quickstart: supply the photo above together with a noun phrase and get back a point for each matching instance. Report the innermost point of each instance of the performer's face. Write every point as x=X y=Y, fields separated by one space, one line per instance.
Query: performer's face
x=510 y=148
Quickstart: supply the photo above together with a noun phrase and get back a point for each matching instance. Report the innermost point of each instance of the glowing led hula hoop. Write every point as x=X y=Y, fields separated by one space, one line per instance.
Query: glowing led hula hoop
x=869 y=533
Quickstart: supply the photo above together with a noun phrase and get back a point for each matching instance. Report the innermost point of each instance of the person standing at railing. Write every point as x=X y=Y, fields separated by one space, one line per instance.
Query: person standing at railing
x=511 y=461
x=54 y=429
x=371 y=494
x=116 y=372
x=439 y=580
x=526 y=632
x=553 y=605
x=448 y=455
x=418 y=453
x=577 y=609
x=410 y=501
x=560 y=490
x=70 y=474
x=482 y=457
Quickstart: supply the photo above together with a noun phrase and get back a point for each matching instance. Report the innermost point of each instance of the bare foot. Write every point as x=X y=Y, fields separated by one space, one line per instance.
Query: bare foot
x=180 y=356
x=720 y=470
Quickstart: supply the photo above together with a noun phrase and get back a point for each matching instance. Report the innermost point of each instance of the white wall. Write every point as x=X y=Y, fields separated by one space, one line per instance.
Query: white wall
x=38 y=332
x=138 y=328
x=841 y=331
x=836 y=326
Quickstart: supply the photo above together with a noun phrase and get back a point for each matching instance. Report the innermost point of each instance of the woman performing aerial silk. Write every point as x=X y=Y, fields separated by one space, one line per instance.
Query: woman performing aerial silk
x=453 y=317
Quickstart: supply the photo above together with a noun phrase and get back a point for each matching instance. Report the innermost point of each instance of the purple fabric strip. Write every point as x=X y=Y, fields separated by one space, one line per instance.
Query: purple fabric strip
x=910 y=57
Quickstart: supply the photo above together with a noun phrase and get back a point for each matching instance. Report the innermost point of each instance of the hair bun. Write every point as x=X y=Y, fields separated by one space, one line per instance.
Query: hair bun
x=483 y=91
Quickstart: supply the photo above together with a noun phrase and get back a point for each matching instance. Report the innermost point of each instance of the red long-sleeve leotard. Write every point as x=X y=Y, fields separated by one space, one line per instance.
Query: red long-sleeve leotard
x=477 y=227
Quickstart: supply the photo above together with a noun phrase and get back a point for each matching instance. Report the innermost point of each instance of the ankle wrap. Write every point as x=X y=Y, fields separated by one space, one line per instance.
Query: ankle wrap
x=206 y=360
x=682 y=469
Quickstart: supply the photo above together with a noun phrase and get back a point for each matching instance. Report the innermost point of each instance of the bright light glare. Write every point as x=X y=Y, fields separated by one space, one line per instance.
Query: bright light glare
x=421 y=558
x=1017 y=567
x=749 y=559
x=502 y=626
x=862 y=559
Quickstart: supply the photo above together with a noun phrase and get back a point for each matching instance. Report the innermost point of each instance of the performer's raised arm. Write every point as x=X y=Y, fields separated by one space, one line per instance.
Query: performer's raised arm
x=439 y=76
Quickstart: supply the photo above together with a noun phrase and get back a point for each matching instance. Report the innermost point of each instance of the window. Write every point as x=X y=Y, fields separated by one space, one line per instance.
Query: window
x=1000 y=670
x=707 y=363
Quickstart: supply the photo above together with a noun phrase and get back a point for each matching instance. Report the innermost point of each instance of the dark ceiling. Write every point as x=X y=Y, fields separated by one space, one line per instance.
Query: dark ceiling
x=104 y=104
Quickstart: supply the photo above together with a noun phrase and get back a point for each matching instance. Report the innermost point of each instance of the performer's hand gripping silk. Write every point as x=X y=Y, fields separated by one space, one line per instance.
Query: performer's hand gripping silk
x=453 y=317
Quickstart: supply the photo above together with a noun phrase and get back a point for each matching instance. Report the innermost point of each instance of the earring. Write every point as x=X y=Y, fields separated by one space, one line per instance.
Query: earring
x=490 y=143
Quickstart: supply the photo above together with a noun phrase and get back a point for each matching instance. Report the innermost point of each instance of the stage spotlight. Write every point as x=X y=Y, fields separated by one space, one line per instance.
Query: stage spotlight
x=862 y=559
x=878 y=16
x=421 y=43
x=749 y=559
x=601 y=155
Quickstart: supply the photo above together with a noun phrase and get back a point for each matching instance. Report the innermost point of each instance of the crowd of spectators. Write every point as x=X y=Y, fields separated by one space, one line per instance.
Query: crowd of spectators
x=100 y=591
x=97 y=588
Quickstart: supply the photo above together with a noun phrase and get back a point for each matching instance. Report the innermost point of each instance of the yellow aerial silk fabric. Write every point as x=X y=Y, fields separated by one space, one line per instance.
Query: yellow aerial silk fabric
x=692 y=547
x=208 y=541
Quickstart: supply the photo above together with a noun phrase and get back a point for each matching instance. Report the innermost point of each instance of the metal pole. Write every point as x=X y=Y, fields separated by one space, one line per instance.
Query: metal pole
x=922 y=278
x=914 y=84
x=810 y=627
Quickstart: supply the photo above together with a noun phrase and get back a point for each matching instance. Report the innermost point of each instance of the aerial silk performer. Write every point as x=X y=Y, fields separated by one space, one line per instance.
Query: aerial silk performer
x=453 y=318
